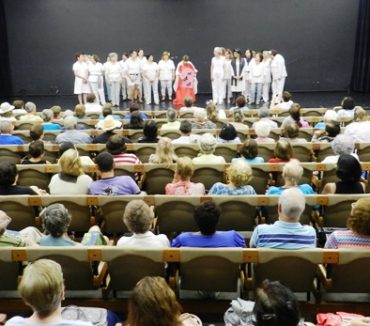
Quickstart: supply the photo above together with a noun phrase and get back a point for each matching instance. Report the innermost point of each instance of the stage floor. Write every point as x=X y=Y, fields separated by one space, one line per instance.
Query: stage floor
x=306 y=99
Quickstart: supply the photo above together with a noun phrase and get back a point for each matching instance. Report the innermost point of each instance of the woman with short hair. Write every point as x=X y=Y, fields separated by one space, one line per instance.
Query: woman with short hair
x=207 y=146
x=263 y=129
x=249 y=153
x=201 y=120
x=228 y=135
x=283 y=152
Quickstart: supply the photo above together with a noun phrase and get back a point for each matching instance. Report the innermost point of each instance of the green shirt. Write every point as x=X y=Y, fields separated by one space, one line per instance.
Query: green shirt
x=11 y=241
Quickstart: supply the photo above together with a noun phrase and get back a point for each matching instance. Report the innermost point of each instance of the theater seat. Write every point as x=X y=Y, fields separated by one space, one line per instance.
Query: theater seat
x=156 y=178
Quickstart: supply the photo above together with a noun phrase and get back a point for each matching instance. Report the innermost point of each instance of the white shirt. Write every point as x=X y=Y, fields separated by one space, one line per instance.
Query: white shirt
x=228 y=69
x=20 y=321
x=191 y=139
x=57 y=186
x=113 y=72
x=209 y=159
x=95 y=71
x=218 y=67
x=284 y=106
x=93 y=108
x=345 y=114
x=175 y=125
x=150 y=70
x=256 y=72
x=247 y=68
x=267 y=70
x=333 y=159
x=278 y=69
x=133 y=67
x=359 y=131
x=166 y=69
x=272 y=124
x=80 y=69
x=144 y=240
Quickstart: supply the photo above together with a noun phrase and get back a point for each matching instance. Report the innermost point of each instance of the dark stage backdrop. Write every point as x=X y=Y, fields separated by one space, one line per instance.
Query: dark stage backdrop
x=316 y=37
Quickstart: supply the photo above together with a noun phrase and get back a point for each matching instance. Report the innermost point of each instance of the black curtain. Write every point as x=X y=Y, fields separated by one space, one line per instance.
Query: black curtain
x=361 y=66
x=5 y=81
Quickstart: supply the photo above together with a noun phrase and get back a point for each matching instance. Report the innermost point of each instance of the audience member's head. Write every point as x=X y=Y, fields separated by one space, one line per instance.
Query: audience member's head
x=184 y=168
x=359 y=219
x=69 y=123
x=70 y=163
x=56 y=111
x=150 y=129
x=343 y=144
x=47 y=115
x=240 y=101
x=249 y=149
x=185 y=127
x=136 y=121
x=348 y=103
x=36 y=149
x=330 y=115
x=80 y=111
x=239 y=173
x=6 y=110
x=207 y=144
x=138 y=216
x=275 y=305
x=65 y=146
x=104 y=162
x=36 y=131
x=287 y=96
x=153 y=302
x=8 y=173
x=6 y=127
x=263 y=112
x=283 y=150
x=107 y=110
x=134 y=107
x=228 y=132
x=165 y=152
x=292 y=172
x=348 y=168
x=291 y=205
x=108 y=124
x=238 y=115
x=171 y=115
x=295 y=113
x=30 y=107
x=206 y=217
x=90 y=98
x=200 y=115
x=116 y=145
x=212 y=111
x=56 y=220
x=188 y=101
x=332 y=128
x=18 y=104
x=291 y=131
x=360 y=114
x=262 y=129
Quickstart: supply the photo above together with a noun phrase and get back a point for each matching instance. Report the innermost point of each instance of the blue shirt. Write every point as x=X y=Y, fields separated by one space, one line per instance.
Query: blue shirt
x=255 y=160
x=142 y=116
x=283 y=235
x=10 y=140
x=217 y=240
x=51 y=126
x=49 y=240
x=320 y=125
x=222 y=189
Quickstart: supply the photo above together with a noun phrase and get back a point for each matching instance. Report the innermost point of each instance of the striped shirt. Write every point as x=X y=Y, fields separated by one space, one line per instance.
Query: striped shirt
x=347 y=239
x=283 y=235
x=126 y=158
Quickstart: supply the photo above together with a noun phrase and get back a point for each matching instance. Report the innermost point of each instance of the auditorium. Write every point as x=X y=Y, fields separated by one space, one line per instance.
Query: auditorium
x=184 y=162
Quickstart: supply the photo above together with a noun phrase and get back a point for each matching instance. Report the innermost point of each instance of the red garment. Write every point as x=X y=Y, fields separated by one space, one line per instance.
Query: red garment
x=276 y=160
x=185 y=84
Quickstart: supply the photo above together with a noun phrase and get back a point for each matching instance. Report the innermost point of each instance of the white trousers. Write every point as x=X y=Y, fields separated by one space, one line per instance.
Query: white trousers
x=166 y=85
x=277 y=86
x=115 y=88
x=247 y=90
x=256 y=92
x=98 y=92
x=149 y=87
x=228 y=92
x=218 y=90
x=124 y=89
x=266 y=91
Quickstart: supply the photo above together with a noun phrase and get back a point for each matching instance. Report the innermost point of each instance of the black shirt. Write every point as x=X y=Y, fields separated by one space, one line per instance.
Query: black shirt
x=104 y=137
x=16 y=190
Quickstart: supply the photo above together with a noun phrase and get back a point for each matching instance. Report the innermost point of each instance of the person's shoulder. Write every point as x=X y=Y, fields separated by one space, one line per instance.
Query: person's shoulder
x=273 y=190
x=123 y=241
x=306 y=188
x=16 y=321
x=85 y=177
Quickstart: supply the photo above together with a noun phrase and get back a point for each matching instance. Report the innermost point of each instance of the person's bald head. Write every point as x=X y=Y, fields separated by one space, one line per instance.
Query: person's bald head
x=291 y=205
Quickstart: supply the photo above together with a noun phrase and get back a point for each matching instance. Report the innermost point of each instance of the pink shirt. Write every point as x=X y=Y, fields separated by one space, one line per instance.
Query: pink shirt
x=185 y=188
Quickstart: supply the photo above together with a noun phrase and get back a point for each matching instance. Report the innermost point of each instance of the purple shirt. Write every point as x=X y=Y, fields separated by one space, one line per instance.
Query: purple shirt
x=120 y=185
x=217 y=240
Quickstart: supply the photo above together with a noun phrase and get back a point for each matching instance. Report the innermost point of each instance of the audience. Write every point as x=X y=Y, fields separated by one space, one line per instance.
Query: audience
x=57 y=111
x=6 y=112
x=91 y=106
x=241 y=104
x=150 y=131
x=283 y=152
x=18 y=108
x=238 y=118
x=262 y=130
x=139 y=219
x=47 y=116
x=249 y=153
x=136 y=122
x=290 y=133
x=80 y=112
x=108 y=125
x=71 y=134
x=349 y=172
x=347 y=108
x=342 y=144
x=295 y=117
x=117 y=147
x=264 y=115
x=207 y=146
x=201 y=121
x=214 y=113
x=238 y=175
x=286 y=103
x=164 y=153
x=287 y=232
x=37 y=132
x=135 y=107
x=228 y=135
x=6 y=136
x=358 y=235
x=181 y=184
x=359 y=130
x=71 y=180
x=173 y=123
x=107 y=110
x=188 y=105
x=108 y=184
x=332 y=130
x=329 y=116
x=206 y=217
x=186 y=136
x=36 y=153
x=31 y=115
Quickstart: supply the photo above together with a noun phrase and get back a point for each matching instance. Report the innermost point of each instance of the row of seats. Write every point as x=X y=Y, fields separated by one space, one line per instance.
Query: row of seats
x=210 y=270
x=175 y=213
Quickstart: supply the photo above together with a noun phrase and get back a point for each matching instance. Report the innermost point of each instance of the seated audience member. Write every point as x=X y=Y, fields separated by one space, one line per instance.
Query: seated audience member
x=57 y=112
x=241 y=104
x=287 y=232
x=71 y=180
x=18 y=108
x=181 y=184
x=206 y=217
x=349 y=172
x=31 y=115
x=173 y=123
x=135 y=122
x=342 y=144
x=228 y=135
x=238 y=174
x=358 y=222
x=186 y=136
x=36 y=153
x=6 y=112
x=6 y=137
x=264 y=115
x=139 y=218
x=207 y=146
x=286 y=103
x=72 y=135
x=135 y=107
x=91 y=106
x=150 y=131
x=332 y=130
x=37 y=132
x=56 y=220
x=283 y=152
x=330 y=115
x=290 y=133
x=80 y=112
x=249 y=153
x=276 y=305
x=164 y=153
x=347 y=108
x=292 y=173
x=238 y=118
x=359 y=130
x=108 y=125
x=108 y=184
x=8 y=181
x=295 y=117
x=42 y=289
x=117 y=147
x=47 y=116
x=188 y=106
x=63 y=147
x=263 y=129
x=107 y=110
x=201 y=121
x=214 y=113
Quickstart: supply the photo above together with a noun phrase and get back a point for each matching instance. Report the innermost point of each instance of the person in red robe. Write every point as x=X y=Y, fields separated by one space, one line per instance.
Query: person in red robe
x=186 y=81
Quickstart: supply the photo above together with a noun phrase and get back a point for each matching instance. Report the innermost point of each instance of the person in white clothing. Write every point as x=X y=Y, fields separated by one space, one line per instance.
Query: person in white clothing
x=256 y=73
x=279 y=74
x=228 y=75
x=286 y=103
x=166 y=75
x=248 y=60
x=138 y=218
x=207 y=146
x=359 y=130
x=80 y=70
x=150 y=79
x=133 y=77
x=123 y=74
x=237 y=82
x=266 y=75
x=96 y=80
x=186 y=136
x=105 y=65
x=143 y=59
x=91 y=106
x=218 y=76
x=113 y=77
